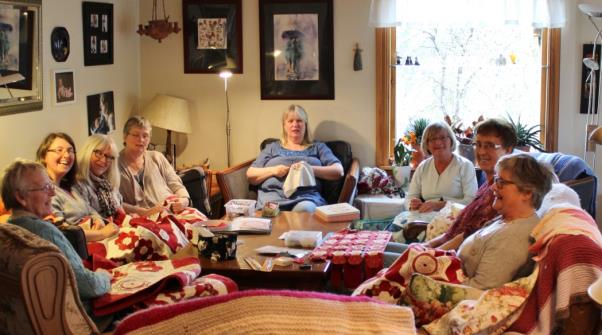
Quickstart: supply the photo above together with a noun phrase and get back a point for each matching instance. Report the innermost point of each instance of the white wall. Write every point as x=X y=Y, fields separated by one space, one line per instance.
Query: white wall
x=349 y=117
x=20 y=134
x=571 y=131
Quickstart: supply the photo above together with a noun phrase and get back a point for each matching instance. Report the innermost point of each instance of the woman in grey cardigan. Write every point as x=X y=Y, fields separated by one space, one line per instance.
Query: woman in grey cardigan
x=147 y=178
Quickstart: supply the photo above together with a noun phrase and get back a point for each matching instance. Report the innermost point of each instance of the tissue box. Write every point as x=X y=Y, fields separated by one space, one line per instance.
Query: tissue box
x=220 y=247
x=240 y=207
x=303 y=238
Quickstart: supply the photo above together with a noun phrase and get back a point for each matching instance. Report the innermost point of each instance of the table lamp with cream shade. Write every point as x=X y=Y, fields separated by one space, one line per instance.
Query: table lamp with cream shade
x=172 y=114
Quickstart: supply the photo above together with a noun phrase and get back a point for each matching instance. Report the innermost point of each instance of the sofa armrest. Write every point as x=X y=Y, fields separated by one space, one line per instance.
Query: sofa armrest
x=349 y=189
x=233 y=181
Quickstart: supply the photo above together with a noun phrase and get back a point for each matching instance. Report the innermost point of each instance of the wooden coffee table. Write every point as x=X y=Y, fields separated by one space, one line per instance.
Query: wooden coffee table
x=290 y=277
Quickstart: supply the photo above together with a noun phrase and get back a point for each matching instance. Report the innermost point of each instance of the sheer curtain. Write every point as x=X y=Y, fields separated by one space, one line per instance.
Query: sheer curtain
x=537 y=13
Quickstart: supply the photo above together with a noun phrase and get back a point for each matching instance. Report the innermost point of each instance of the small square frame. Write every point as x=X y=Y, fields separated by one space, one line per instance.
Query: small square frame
x=63 y=87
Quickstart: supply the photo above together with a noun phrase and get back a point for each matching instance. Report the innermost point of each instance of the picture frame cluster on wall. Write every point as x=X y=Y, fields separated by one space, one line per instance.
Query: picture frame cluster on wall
x=98 y=33
x=212 y=36
x=296 y=49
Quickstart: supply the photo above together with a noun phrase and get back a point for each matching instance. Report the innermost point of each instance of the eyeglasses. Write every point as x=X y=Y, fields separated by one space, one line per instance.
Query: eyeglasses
x=500 y=182
x=438 y=138
x=100 y=155
x=61 y=150
x=489 y=146
x=143 y=136
x=49 y=187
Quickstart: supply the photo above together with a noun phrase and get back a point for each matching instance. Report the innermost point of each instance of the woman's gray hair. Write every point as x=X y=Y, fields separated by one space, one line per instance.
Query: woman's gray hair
x=13 y=180
x=529 y=175
x=98 y=142
x=433 y=128
x=136 y=121
x=299 y=112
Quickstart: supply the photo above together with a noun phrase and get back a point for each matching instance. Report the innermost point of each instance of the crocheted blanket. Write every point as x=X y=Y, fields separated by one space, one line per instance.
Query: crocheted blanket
x=570 y=254
x=272 y=312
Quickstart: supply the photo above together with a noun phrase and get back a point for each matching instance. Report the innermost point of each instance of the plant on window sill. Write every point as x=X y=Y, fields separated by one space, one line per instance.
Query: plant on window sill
x=526 y=136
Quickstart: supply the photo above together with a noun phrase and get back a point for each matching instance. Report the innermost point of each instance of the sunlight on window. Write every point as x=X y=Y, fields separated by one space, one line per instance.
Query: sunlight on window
x=466 y=72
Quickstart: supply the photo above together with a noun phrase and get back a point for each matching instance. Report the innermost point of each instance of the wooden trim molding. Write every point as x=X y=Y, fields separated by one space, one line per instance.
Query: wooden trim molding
x=550 y=87
x=385 y=106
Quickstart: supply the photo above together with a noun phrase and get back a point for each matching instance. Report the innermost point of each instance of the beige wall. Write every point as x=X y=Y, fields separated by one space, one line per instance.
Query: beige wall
x=20 y=134
x=350 y=116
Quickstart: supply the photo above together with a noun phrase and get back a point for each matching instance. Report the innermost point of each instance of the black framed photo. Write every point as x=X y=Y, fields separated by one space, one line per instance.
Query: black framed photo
x=586 y=83
x=98 y=33
x=101 y=113
x=296 y=49
x=16 y=42
x=212 y=36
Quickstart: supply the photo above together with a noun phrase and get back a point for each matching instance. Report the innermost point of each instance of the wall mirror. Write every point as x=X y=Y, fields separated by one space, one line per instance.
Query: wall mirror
x=20 y=56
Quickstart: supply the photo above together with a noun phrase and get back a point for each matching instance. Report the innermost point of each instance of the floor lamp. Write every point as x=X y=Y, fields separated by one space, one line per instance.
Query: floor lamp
x=593 y=64
x=225 y=75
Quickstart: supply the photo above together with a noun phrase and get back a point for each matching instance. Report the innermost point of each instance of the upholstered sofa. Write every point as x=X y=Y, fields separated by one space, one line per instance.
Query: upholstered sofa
x=38 y=291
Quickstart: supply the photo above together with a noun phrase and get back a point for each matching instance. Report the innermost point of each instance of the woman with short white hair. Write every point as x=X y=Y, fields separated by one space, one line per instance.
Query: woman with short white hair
x=445 y=176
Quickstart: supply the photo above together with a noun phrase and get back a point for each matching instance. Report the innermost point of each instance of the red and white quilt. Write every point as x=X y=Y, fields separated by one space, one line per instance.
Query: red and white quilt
x=141 y=284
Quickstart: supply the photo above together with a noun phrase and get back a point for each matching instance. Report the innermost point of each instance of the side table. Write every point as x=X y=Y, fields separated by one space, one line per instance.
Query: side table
x=379 y=206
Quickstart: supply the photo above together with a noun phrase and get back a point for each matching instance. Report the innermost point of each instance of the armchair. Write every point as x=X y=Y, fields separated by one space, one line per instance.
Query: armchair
x=234 y=184
x=38 y=291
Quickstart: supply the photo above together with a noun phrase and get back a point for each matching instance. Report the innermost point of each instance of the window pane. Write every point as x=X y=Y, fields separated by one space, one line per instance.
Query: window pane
x=466 y=72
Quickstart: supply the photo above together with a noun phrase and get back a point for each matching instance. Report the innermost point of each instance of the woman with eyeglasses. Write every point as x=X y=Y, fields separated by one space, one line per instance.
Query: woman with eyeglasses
x=98 y=183
x=28 y=191
x=57 y=154
x=149 y=184
x=445 y=176
x=494 y=138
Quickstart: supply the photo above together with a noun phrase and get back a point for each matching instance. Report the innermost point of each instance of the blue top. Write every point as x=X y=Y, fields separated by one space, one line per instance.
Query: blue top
x=89 y=284
x=317 y=154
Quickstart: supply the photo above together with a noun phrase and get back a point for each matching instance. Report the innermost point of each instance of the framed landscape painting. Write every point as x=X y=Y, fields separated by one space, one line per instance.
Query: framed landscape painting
x=296 y=49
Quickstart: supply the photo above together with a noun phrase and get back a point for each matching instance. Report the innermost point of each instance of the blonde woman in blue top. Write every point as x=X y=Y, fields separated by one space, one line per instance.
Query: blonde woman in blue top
x=275 y=161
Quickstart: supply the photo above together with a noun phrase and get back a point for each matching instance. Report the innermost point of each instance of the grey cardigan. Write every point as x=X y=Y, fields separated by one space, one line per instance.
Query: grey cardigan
x=159 y=181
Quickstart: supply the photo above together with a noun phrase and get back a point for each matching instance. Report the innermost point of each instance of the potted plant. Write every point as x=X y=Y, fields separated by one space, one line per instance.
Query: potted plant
x=526 y=136
x=402 y=153
x=464 y=135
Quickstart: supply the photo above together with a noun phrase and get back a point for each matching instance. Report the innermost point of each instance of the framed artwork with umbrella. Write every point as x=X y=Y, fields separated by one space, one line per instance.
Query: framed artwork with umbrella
x=296 y=49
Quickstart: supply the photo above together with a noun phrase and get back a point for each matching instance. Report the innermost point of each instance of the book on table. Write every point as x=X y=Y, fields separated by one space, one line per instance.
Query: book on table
x=246 y=225
x=337 y=212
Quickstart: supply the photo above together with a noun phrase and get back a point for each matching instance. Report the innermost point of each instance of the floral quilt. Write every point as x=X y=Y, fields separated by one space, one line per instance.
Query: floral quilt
x=141 y=284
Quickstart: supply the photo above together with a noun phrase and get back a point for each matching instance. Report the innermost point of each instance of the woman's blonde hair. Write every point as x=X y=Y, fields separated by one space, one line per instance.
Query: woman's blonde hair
x=300 y=113
x=98 y=142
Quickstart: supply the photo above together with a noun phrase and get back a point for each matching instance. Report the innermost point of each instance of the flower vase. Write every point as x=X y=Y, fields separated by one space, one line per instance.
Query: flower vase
x=417 y=156
x=401 y=174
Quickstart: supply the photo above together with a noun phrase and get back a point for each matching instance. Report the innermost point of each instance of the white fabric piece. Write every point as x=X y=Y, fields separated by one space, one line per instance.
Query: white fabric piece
x=300 y=177
x=537 y=13
x=378 y=206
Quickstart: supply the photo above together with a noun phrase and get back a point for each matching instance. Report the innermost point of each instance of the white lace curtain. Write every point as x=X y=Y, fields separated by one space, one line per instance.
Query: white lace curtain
x=537 y=13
